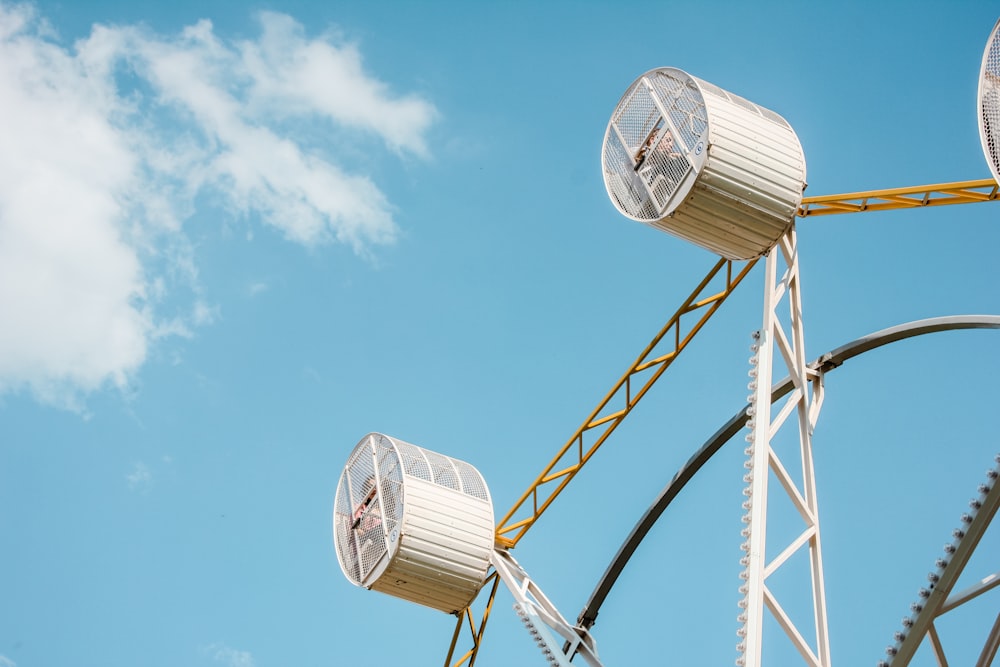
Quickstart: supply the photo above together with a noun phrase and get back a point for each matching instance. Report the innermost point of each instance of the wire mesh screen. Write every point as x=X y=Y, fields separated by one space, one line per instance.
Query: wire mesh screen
x=685 y=107
x=472 y=482
x=414 y=462
x=635 y=124
x=637 y=116
x=342 y=534
x=442 y=470
x=368 y=505
x=652 y=132
x=623 y=187
x=989 y=102
x=390 y=498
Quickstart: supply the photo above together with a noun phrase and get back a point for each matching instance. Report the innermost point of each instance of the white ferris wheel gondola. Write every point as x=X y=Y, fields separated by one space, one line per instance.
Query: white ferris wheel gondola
x=413 y=524
x=703 y=164
x=989 y=102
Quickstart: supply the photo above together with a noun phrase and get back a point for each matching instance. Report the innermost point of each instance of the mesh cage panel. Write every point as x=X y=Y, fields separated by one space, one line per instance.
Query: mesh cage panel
x=663 y=170
x=342 y=534
x=414 y=462
x=369 y=505
x=635 y=121
x=989 y=102
x=745 y=103
x=637 y=117
x=619 y=177
x=767 y=113
x=437 y=468
x=390 y=486
x=685 y=107
x=356 y=483
x=443 y=470
x=659 y=121
x=472 y=482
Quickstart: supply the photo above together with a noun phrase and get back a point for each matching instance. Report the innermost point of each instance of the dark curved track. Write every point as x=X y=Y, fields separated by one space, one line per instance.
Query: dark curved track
x=825 y=363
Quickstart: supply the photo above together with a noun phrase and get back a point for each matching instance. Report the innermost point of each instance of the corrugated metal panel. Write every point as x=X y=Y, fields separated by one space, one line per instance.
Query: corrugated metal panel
x=442 y=554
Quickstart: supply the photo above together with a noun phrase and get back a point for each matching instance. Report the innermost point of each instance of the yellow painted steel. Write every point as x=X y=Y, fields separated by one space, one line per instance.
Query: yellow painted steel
x=574 y=454
x=960 y=192
x=477 y=634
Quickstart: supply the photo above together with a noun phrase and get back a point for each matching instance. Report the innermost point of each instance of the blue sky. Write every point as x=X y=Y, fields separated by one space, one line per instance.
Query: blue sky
x=235 y=238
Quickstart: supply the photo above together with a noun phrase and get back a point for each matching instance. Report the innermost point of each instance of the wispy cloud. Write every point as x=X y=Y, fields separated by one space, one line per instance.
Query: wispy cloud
x=7 y=662
x=105 y=148
x=139 y=478
x=256 y=288
x=230 y=656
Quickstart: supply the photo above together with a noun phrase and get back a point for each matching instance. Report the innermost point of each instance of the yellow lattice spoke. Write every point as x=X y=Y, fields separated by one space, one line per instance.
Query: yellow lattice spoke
x=961 y=192
x=574 y=454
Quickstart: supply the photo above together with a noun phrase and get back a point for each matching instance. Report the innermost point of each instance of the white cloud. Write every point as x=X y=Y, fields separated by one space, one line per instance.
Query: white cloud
x=292 y=74
x=7 y=662
x=256 y=288
x=104 y=148
x=230 y=656
x=139 y=478
x=71 y=288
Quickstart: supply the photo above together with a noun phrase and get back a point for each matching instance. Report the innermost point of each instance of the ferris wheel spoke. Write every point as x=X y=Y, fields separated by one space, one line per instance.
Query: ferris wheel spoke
x=935 y=599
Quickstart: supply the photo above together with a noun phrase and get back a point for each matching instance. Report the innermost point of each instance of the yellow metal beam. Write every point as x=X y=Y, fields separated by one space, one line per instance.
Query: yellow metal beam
x=476 y=634
x=961 y=192
x=624 y=396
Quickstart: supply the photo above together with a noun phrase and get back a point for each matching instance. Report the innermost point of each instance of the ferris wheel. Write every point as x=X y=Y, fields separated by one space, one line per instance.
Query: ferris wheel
x=712 y=168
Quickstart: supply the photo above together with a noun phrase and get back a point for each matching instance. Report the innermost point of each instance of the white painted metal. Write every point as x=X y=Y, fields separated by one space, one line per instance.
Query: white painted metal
x=412 y=523
x=937 y=599
x=703 y=164
x=989 y=102
x=762 y=461
x=559 y=641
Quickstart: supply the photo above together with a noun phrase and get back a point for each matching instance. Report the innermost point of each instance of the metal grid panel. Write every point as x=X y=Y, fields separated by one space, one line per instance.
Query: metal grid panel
x=685 y=108
x=356 y=482
x=637 y=116
x=346 y=554
x=414 y=462
x=390 y=489
x=443 y=471
x=745 y=103
x=664 y=169
x=366 y=539
x=621 y=182
x=368 y=506
x=635 y=123
x=767 y=113
x=659 y=120
x=473 y=483
x=989 y=102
